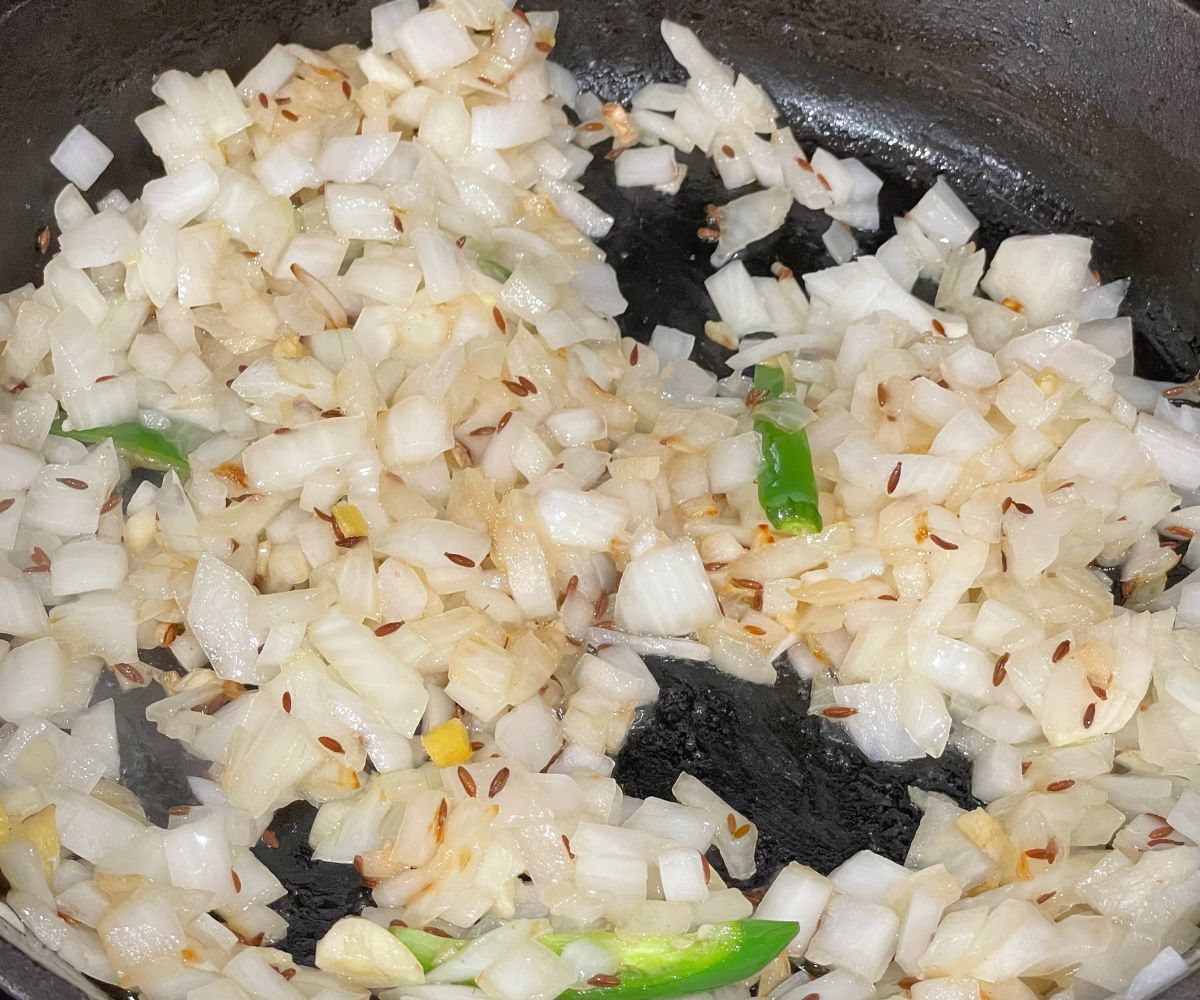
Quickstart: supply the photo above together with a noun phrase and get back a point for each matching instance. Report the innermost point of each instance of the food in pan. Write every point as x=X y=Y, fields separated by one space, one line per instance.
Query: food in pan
x=410 y=505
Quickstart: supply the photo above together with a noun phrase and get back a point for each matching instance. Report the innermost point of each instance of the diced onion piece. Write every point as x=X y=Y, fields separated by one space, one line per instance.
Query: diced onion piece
x=81 y=158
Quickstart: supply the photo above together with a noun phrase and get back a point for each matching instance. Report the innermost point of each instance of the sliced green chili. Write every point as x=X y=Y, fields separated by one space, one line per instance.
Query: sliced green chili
x=787 y=485
x=649 y=966
x=428 y=949
x=141 y=446
x=493 y=269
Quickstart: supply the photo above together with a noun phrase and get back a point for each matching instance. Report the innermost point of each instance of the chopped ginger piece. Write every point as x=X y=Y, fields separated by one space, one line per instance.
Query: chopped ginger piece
x=448 y=744
x=349 y=520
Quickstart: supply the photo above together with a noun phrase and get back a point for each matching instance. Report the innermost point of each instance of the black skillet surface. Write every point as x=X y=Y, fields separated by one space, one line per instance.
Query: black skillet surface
x=1045 y=114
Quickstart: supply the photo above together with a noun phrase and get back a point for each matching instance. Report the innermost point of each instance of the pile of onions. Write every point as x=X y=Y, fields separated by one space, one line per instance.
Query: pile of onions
x=437 y=507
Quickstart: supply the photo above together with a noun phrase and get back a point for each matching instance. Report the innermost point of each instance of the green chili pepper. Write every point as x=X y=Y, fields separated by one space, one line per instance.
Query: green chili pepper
x=141 y=446
x=493 y=269
x=770 y=378
x=650 y=966
x=428 y=949
x=787 y=485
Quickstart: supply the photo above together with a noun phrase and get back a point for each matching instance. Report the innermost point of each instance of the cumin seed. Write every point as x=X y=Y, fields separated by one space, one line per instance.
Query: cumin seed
x=498 y=783
x=839 y=712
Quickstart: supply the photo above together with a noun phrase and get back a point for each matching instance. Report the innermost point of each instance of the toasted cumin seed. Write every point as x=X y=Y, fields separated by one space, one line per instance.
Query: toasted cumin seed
x=332 y=413
x=237 y=882
x=515 y=388
x=329 y=743
x=1099 y=692
x=572 y=585
x=1038 y=854
x=435 y=931
x=476 y=746
x=503 y=421
x=387 y=628
x=498 y=783
x=1000 y=671
x=397 y=922
x=346 y=89
x=712 y=567
x=498 y=319
x=528 y=385
x=287 y=702
x=1025 y=765
x=741 y=831
x=1063 y=486
x=746 y=584
x=567 y=847
x=1014 y=304
x=484 y=431
x=941 y=543
x=839 y=712
x=397 y=222
x=881 y=394
x=592 y=127
x=755 y=630
x=603 y=979
x=179 y=811
x=633 y=355
x=290 y=115
x=1089 y=715
x=112 y=503
x=1061 y=650
x=73 y=484
x=1161 y=831
x=1061 y=786
x=288 y=974
x=888 y=597
x=468 y=783
x=439 y=822
x=263 y=100
x=1044 y=896
x=129 y=672
x=1004 y=507
x=824 y=182
x=6 y=503
x=707 y=869
x=43 y=240
x=894 y=478
x=1167 y=843
x=460 y=560
x=1022 y=508
x=731 y=822
x=938 y=327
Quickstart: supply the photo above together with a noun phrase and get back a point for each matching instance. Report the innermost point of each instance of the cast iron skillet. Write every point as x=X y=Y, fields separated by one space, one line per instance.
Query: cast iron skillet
x=1045 y=114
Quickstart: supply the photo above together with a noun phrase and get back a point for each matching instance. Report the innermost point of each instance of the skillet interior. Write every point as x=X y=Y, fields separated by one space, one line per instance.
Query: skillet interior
x=1045 y=116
